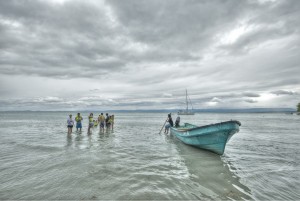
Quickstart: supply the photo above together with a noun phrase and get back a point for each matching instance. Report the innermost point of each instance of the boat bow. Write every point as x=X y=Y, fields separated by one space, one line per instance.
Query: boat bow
x=211 y=137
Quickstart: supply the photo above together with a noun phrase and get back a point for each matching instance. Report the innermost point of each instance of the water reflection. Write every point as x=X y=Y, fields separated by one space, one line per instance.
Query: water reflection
x=79 y=140
x=209 y=175
x=79 y=137
x=69 y=140
x=82 y=140
x=90 y=141
x=105 y=133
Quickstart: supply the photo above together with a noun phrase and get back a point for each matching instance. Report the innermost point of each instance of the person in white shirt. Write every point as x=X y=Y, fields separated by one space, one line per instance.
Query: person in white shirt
x=70 y=122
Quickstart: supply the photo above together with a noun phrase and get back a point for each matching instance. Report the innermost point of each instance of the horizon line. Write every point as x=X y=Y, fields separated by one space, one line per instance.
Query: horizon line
x=241 y=110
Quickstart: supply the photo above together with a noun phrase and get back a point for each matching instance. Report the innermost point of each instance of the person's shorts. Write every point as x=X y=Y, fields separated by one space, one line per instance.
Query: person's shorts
x=167 y=126
x=91 y=124
x=101 y=124
x=78 y=125
x=70 y=126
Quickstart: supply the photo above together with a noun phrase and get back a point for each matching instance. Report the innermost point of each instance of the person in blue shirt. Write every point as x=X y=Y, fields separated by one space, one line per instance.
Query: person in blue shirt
x=78 y=120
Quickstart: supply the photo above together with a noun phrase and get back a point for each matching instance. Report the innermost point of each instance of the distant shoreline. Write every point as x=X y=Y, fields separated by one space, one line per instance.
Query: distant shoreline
x=247 y=110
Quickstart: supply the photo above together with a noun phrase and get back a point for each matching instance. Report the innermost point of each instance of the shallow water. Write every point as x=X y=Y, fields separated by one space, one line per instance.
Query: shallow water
x=133 y=162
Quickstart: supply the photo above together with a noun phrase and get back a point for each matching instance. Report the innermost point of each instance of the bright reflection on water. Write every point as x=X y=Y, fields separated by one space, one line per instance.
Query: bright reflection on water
x=39 y=161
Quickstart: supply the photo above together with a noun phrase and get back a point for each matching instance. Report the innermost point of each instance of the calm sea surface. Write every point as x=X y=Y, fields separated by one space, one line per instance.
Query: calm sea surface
x=39 y=161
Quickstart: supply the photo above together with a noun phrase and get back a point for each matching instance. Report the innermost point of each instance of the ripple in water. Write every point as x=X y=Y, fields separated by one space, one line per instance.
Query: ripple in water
x=134 y=162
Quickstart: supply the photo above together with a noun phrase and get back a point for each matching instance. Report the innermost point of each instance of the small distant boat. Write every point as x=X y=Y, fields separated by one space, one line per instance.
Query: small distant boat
x=187 y=111
x=210 y=137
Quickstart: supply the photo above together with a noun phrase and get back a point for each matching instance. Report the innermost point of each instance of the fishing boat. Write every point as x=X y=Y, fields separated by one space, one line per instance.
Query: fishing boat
x=210 y=137
x=187 y=111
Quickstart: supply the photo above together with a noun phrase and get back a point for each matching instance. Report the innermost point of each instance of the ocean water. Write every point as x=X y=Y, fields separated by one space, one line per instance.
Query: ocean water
x=39 y=161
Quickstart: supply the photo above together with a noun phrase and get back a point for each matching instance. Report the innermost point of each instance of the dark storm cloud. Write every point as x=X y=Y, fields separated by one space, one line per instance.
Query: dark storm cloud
x=250 y=101
x=267 y=22
x=141 y=53
x=251 y=94
x=37 y=34
x=283 y=92
x=40 y=34
x=176 y=23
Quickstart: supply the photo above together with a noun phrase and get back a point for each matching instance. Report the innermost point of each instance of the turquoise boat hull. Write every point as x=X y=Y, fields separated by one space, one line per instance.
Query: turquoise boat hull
x=210 y=137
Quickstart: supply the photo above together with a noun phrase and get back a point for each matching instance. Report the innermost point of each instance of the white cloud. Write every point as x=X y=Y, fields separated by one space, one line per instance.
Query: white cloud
x=167 y=95
x=216 y=100
x=48 y=99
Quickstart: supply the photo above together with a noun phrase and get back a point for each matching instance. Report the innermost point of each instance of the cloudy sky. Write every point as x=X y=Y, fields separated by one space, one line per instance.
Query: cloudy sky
x=143 y=54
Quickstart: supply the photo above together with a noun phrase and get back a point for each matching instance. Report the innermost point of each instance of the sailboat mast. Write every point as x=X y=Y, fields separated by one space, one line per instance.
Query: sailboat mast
x=186 y=99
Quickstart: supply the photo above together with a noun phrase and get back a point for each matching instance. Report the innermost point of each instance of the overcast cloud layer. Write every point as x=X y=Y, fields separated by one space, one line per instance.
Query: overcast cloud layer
x=142 y=54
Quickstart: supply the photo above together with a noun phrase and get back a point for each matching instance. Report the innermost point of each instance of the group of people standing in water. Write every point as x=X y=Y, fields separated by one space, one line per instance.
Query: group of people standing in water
x=106 y=121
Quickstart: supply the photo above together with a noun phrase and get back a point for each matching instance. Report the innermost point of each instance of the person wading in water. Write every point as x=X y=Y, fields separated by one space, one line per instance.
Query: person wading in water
x=169 y=124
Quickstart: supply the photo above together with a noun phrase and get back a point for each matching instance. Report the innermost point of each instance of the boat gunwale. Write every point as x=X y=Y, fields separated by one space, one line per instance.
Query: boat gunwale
x=197 y=127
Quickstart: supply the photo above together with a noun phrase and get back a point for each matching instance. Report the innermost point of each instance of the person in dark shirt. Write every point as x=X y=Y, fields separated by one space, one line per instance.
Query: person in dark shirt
x=169 y=124
x=107 y=125
x=177 y=122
